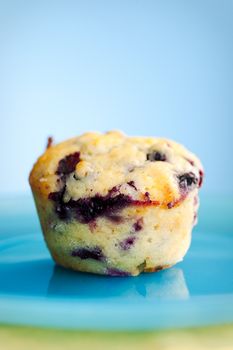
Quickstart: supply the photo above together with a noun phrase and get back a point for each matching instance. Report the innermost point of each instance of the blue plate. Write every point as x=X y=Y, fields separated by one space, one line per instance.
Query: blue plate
x=34 y=291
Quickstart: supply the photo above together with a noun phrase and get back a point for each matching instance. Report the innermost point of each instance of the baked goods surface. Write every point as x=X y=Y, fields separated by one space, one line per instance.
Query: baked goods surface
x=117 y=205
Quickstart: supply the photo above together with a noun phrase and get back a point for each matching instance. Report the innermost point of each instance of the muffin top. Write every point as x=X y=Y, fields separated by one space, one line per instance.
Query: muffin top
x=146 y=170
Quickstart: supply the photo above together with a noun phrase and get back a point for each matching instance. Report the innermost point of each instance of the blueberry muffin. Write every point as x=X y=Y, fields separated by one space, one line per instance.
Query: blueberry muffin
x=117 y=205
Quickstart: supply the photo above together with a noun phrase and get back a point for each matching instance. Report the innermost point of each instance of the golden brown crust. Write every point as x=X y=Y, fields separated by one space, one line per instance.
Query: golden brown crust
x=113 y=159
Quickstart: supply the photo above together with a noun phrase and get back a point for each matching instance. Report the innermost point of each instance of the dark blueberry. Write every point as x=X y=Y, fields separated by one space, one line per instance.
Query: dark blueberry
x=201 y=175
x=62 y=211
x=156 y=156
x=187 y=181
x=117 y=219
x=116 y=272
x=67 y=165
x=132 y=184
x=147 y=196
x=56 y=196
x=113 y=191
x=138 y=225
x=170 y=205
x=89 y=253
x=87 y=209
x=49 y=142
x=90 y=208
x=127 y=243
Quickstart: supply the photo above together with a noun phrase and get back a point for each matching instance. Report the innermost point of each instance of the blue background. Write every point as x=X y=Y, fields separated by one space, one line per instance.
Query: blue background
x=162 y=68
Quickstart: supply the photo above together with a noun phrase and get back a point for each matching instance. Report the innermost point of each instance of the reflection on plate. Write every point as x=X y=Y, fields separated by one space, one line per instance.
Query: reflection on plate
x=166 y=284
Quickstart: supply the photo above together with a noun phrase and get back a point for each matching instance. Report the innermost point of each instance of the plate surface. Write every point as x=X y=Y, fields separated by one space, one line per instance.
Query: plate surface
x=34 y=291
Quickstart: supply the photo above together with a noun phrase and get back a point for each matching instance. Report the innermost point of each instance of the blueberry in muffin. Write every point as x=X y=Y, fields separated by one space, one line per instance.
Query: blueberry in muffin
x=117 y=205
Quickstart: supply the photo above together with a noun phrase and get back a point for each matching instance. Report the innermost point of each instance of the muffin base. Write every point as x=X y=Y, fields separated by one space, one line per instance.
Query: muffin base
x=162 y=241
